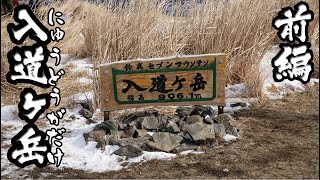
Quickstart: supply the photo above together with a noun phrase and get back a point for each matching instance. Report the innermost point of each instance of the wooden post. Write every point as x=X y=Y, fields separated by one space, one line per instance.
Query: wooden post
x=220 y=109
x=106 y=115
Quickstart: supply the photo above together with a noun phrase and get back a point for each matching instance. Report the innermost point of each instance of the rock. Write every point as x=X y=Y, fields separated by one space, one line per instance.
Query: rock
x=107 y=126
x=94 y=135
x=164 y=141
x=208 y=119
x=140 y=133
x=151 y=112
x=163 y=119
x=132 y=117
x=89 y=121
x=200 y=133
x=129 y=151
x=226 y=119
x=138 y=142
x=199 y=148
x=117 y=134
x=85 y=113
x=111 y=125
x=87 y=105
x=184 y=147
x=186 y=137
x=183 y=111
x=72 y=116
x=149 y=123
x=176 y=119
x=122 y=126
x=129 y=132
x=101 y=143
x=181 y=123
x=233 y=131
x=219 y=129
x=172 y=127
x=208 y=111
x=194 y=119
x=197 y=110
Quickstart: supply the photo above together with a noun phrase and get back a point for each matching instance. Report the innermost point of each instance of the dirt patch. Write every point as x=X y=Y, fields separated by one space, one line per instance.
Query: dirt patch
x=278 y=140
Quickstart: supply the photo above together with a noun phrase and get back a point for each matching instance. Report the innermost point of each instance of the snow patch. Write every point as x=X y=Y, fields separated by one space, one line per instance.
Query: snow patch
x=229 y=137
x=191 y=152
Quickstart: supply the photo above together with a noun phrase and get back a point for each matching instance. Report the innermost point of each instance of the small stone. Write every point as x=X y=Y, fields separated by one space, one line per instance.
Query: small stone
x=117 y=134
x=183 y=111
x=233 y=131
x=87 y=105
x=149 y=123
x=151 y=112
x=85 y=113
x=132 y=117
x=130 y=131
x=194 y=119
x=208 y=111
x=172 y=127
x=101 y=143
x=129 y=151
x=72 y=116
x=94 y=135
x=208 y=119
x=199 y=148
x=122 y=126
x=200 y=132
x=111 y=125
x=140 y=133
x=197 y=110
x=184 y=147
x=219 y=129
x=163 y=119
x=164 y=141
x=226 y=119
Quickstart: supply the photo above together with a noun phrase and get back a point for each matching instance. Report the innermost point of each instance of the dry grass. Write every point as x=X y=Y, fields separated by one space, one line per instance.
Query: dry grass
x=241 y=29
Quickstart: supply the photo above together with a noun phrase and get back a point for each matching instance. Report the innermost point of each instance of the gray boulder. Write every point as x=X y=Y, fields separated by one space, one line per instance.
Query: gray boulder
x=183 y=111
x=94 y=135
x=200 y=133
x=150 y=123
x=226 y=119
x=172 y=127
x=197 y=110
x=219 y=129
x=107 y=126
x=129 y=151
x=164 y=141
x=233 y=131
x=194 y=119
x=140 y=133
x=208 y=119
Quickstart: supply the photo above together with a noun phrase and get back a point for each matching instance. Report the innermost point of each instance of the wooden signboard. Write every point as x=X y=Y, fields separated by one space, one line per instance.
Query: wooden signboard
x=183 y=80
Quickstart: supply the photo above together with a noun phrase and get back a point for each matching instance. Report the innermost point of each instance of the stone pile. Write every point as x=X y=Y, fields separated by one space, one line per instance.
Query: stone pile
x=189 y=129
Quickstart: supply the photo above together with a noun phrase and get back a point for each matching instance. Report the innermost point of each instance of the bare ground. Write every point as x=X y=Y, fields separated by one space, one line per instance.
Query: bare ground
x=279 y=139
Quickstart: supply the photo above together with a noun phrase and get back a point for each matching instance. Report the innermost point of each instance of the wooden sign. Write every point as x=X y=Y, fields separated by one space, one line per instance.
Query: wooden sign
x=183 y=80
